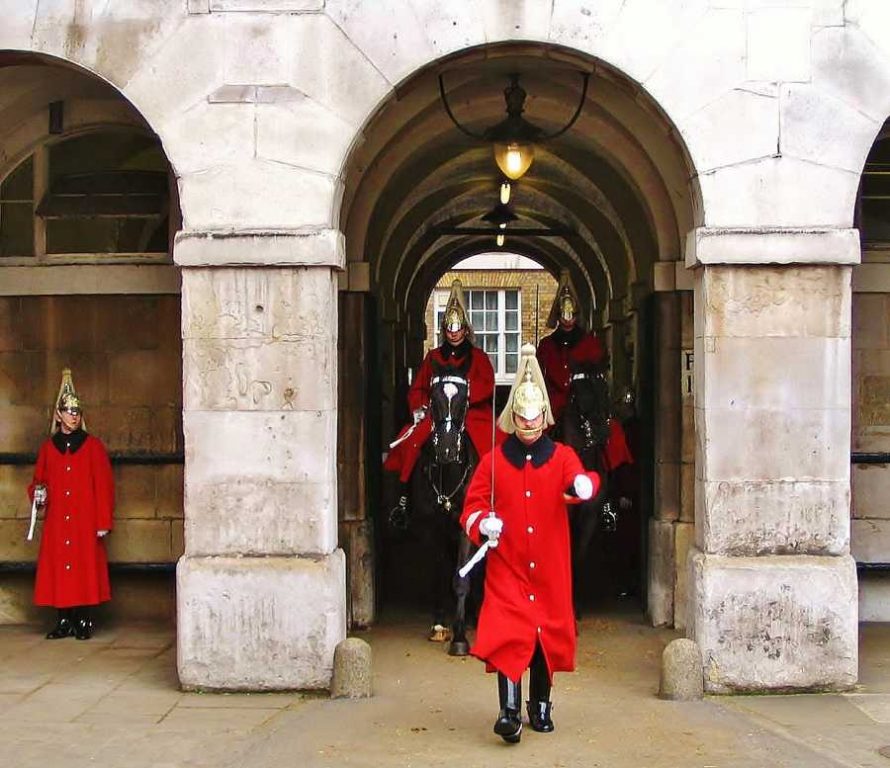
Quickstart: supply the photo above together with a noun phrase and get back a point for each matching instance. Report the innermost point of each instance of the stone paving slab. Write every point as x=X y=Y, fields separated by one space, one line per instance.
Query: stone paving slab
x=117 y=702
x=876 y=706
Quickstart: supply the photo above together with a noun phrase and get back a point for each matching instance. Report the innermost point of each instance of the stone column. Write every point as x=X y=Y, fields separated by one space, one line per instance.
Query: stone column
x=772 y=584
x=662 y=564
x=356 y=529
x=261 y=586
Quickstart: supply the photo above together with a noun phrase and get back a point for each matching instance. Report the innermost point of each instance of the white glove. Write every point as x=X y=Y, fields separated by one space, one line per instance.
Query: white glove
x=100 y=534
x=40 y=495
x=418 y=415
x=491 y=527
x=583 y=486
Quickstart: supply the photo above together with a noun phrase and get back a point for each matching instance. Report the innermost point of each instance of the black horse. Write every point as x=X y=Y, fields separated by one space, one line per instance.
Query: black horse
x=584 y=425
x=438 y=485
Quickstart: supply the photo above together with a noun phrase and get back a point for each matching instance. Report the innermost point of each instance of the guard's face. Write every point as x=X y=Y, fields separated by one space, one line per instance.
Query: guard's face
x=567 y=311
x=528 y=430
x=455 y=338
x=69 y=419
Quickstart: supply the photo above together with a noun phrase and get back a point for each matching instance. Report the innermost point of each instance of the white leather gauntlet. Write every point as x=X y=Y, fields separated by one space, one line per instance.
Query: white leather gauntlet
x=491 y=526
x=583 y=486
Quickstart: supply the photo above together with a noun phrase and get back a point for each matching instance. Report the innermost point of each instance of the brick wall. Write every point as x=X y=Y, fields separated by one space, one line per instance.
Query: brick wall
x=125 y=353
x=529 y=282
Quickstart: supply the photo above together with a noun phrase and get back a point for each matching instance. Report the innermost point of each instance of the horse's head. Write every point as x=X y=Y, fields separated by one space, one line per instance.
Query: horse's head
x=589 y=397
x=449 y=401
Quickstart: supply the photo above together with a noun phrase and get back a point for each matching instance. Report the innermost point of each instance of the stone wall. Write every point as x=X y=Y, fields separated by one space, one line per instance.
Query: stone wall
x=125 y=354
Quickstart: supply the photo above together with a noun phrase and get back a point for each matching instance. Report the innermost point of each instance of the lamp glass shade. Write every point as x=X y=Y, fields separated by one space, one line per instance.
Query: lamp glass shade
x=500 y=240
x=514 y=158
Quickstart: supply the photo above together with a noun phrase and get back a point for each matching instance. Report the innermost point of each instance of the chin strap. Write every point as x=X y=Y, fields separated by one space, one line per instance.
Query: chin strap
x=532 y=434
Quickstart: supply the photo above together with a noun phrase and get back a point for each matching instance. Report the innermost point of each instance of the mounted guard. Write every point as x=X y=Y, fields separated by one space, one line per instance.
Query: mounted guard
x=568 y=343
x=456 y=352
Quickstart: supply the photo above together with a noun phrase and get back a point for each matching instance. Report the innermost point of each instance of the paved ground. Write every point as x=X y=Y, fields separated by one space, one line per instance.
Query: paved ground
x=114 y=701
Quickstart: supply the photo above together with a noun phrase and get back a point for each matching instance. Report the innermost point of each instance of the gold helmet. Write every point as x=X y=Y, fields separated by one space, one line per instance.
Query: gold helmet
x=66 y=399
x=456 y=316
x=528 y=396
x=566 y=304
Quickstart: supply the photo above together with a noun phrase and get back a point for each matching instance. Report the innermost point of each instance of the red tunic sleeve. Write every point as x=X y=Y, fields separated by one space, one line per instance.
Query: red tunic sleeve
x=571 y=468
x=103 y=485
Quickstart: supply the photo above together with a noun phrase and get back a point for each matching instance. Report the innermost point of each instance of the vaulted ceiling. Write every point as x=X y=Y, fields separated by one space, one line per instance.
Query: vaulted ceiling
x=617 y=185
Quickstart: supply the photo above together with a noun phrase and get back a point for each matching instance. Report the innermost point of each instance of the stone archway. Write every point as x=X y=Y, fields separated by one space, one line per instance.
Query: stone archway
x=611 y=185
x=89 y=208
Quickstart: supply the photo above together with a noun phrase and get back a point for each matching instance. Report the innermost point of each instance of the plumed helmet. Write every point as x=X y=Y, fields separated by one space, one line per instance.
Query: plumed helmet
x=566 y=303
x=456 y=316
x=528 y=395
x=67 y=398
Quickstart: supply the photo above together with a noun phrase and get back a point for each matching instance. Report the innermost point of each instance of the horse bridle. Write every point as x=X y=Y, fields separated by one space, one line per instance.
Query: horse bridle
x=444 y=499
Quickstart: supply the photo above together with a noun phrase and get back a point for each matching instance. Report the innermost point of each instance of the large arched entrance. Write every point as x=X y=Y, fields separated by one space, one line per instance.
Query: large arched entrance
x=88 y=209
x=610 y=200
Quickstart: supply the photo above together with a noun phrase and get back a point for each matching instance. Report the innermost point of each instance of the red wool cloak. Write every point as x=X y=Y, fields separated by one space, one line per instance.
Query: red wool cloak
x=528 y=577
x=72 y=567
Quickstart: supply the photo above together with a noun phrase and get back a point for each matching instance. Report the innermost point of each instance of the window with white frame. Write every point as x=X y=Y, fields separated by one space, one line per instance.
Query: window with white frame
x=495 y=316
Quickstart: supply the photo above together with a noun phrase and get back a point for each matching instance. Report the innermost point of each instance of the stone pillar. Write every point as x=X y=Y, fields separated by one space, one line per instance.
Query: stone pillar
x=772 y=584
x=662 y=562
x=356 y=530
x=684 y=528
x=261 y=586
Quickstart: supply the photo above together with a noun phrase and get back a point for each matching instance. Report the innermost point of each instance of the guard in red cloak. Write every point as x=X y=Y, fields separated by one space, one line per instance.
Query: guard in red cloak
x=73 y=483
x=458 y=353
x=527 y=619
x=570 y=343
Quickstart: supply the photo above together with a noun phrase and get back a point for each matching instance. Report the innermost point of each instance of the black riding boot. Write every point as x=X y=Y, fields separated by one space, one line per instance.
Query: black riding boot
x=64 y=625
x=398 y=515
x=538 y=706
x=83 y=623
x=508 y=725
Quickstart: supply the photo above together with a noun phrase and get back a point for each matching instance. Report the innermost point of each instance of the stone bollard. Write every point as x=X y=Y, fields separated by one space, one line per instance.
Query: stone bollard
x=681 y=671
x=352 y=670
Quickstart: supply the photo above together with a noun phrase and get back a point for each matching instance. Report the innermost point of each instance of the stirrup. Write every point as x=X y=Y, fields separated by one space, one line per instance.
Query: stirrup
x=398 y=515
x=608 y=518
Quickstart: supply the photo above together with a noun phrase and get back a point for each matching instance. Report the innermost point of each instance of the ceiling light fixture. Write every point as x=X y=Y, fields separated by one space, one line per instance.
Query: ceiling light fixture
x=514 y=138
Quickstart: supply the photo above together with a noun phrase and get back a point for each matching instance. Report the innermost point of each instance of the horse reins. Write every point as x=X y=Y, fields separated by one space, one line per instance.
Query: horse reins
x=444 y=499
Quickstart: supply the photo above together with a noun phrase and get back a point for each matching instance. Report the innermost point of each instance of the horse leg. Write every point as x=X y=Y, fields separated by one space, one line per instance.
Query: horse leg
x=427 y=535
x=459 y=645
x=442 y=565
